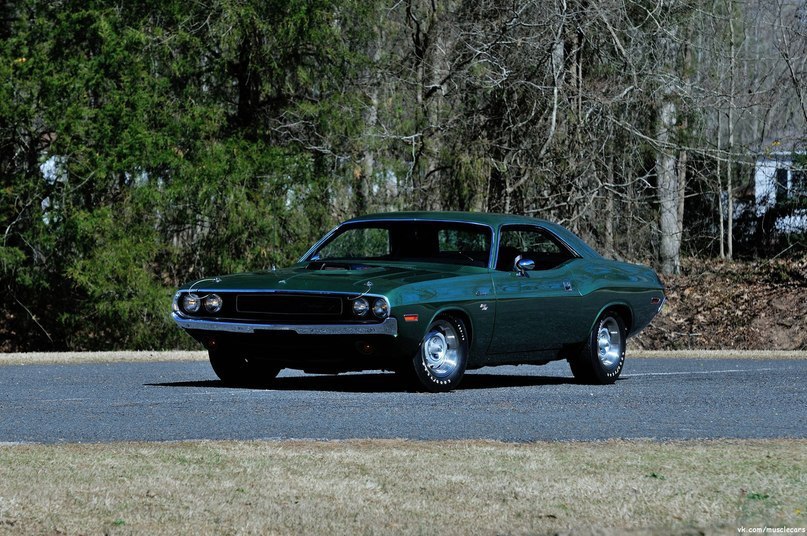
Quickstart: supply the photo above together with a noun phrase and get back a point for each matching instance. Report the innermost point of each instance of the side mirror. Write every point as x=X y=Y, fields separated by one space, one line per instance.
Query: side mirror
x=523 y=265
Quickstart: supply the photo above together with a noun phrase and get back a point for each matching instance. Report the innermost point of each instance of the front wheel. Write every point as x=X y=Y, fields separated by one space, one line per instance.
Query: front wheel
x=439 y=364
x=235 y=369
x=602 y=357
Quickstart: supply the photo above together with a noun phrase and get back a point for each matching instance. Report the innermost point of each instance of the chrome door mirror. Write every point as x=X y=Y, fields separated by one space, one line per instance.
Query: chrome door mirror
x=522 y=265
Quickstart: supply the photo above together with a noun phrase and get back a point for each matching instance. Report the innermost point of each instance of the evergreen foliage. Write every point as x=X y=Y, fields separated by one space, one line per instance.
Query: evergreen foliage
x=147 y=143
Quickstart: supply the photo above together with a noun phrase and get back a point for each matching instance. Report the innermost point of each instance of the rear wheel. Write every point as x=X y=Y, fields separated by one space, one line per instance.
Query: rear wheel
x=602 y=357
x=440 y=361
x=236 y=369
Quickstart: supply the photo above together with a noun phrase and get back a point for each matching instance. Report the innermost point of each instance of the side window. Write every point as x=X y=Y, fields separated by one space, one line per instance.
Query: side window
x=464 y=244
x=531 y=243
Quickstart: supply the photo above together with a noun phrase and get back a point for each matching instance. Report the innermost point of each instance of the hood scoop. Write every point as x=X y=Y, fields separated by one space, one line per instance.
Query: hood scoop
x=336 y=265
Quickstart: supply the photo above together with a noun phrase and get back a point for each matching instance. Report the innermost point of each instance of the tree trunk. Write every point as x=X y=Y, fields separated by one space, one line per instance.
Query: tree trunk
x=668 y=191
x=682 y=183
x=363 y=174
x=720 y=212
x=609 y=209
x=729 y=186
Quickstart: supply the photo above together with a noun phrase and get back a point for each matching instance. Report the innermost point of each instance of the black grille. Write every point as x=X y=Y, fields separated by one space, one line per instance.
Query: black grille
x=287 y=308
x=279 y=304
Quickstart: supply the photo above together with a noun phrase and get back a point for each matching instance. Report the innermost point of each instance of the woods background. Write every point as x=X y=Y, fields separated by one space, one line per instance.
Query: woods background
x=144 y=144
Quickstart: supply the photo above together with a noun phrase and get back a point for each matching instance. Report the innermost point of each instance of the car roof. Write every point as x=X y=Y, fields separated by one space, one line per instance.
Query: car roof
x=490 y=219
x=486 y=218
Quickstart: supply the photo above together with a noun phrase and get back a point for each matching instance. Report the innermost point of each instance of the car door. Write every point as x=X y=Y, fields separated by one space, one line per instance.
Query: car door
x=535 y=309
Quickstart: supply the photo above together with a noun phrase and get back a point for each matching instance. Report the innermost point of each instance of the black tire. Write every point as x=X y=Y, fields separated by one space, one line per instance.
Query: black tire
x=439 y=364
x=600 y=360
x=236 y=369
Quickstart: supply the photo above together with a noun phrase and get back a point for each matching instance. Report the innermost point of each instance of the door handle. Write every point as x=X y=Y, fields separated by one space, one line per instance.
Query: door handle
x=567 y=286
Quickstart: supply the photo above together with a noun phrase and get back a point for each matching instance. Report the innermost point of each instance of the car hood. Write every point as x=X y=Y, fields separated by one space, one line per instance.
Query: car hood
x=383 y=278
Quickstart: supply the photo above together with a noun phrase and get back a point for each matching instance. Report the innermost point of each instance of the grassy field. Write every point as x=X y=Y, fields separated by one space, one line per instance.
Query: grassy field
x=381 y=487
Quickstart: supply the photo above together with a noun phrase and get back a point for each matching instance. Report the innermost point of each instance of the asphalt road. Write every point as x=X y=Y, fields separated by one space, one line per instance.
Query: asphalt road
x=656 y=398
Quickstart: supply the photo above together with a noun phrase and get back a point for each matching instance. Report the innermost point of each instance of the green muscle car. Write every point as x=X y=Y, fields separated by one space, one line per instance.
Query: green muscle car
x=427 y=295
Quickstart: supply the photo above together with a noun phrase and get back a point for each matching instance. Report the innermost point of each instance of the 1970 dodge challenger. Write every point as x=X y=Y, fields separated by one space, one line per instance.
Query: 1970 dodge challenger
x=428 y=295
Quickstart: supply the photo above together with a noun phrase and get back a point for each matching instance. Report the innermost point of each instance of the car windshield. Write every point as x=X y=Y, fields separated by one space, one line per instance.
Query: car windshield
x=436 y=241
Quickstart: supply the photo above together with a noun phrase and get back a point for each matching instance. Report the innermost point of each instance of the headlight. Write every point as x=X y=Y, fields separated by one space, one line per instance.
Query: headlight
x=360 y=307
x=380 y=308
x=191 y=303
x=213 y=303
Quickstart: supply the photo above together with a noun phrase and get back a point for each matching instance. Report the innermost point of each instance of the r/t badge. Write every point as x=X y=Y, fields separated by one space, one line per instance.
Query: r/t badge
x=483 y=306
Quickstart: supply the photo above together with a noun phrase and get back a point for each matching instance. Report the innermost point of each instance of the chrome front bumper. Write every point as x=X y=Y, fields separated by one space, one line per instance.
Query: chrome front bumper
x=388 y=327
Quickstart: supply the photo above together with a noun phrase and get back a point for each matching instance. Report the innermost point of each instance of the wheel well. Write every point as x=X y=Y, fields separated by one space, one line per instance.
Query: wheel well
x=462 y=315
x=624 y=312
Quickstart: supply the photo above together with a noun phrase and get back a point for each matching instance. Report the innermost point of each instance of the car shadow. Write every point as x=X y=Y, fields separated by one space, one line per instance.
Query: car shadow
x=374 y=383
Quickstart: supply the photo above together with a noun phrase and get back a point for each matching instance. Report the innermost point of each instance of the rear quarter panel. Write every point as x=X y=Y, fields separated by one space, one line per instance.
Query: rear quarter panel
x=607 y=284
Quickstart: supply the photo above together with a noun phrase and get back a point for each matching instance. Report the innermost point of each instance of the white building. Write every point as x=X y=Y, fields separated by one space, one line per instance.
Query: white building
x=776 y=181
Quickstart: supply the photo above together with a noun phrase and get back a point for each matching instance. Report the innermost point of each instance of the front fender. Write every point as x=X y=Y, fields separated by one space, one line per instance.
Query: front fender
x=410 y=333
x=472 y=298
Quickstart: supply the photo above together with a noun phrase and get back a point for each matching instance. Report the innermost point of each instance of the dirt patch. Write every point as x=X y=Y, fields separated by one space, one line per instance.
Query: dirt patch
x=759 y=305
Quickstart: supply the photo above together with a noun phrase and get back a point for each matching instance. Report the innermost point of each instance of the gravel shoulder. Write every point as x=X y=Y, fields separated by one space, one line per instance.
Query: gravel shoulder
x=56 y=358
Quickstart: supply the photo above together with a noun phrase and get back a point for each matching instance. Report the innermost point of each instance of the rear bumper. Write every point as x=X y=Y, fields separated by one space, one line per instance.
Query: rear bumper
x=388 y=327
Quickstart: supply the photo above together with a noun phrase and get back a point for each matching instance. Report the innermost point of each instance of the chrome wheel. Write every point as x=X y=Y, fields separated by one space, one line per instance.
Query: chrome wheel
x=440 y=350
x=609 y=343
x=439 y=363
x=600 y=359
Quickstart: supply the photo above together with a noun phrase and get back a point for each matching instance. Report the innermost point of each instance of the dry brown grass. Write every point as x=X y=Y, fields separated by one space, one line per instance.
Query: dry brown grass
x=718 y=354
x=380 y=487
x=50 y=358
x=57 y=358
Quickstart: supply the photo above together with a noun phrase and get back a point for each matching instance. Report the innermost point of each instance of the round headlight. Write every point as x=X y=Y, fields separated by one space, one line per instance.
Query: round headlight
x=360 y=307
x=191 y=303
x=213 y=303
x=381 y=308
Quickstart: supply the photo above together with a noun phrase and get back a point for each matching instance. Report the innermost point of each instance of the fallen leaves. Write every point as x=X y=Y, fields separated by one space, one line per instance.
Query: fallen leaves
x=757 y=305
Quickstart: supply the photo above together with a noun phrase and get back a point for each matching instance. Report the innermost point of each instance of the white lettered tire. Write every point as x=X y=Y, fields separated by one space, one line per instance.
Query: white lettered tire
x=439 y=364
x=602 y=357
